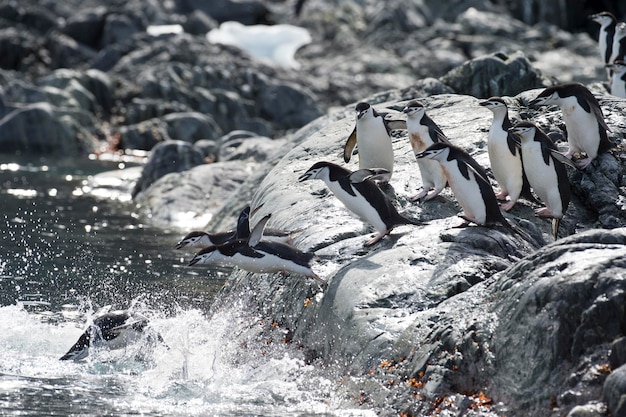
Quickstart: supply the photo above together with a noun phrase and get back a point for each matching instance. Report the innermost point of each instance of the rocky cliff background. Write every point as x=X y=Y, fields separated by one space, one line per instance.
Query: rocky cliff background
x=434 y=320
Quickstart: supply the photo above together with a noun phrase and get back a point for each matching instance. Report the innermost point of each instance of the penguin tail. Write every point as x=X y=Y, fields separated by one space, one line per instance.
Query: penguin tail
x=556 y=222
x=514 y=228
x=526 y=192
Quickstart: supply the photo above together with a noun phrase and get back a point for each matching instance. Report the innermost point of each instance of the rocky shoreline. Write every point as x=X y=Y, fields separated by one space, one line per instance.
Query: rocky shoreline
x=433 y=320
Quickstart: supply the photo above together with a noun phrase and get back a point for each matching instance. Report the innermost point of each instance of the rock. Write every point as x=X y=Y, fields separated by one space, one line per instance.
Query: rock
x=495 y=75
x=588 y=410
x=617 y=356
x=615 y=391
x=257 y=149
x=287 y=106
x=144 y=135
x=199 y=23
x=41 y=129
x=190 y=127
x=169 y=156
x=86 y=25
x=248 y=12
x=117 y=28
x=189 y=199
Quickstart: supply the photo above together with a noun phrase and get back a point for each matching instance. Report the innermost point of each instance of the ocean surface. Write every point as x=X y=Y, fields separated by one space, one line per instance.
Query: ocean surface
x=69 y=250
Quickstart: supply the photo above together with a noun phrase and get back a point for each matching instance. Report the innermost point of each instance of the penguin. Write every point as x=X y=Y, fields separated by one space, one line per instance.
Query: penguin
x=200 y=239
x=358 y=192
x=584 y=121
x=505 y=157
x=253 y=254
x=618 y=82
x=545 y=167
x=111 y=330
x=371 y=136
x=423 y=132
x=607 y=22
x=618 y=50
x=470 y=187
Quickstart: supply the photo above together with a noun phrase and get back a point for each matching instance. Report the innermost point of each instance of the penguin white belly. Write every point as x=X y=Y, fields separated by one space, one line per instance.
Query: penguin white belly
x=542 y=178
x=582 y=129
x=358 y=205
x=374 y=145
x=506 y=167
x=618 y=87
x=432 y=174
x=418 y=136
x=258 y=265
x=467 y=192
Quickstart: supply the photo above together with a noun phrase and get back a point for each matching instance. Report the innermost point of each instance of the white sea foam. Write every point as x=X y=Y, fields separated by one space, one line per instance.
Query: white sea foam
x=276 y=43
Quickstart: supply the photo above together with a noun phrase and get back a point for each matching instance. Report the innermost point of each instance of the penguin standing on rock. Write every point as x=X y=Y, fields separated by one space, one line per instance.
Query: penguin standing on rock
x=618 y=82
x=547 y=175
x=423 y=132
x=505 y=157
x=469 y=184
x=358 y=192
x=371 y=136
x=586 y=128
x=607 y=22
x=618 y=51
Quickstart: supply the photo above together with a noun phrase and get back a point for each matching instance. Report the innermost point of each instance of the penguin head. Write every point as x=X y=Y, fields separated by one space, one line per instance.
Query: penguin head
x=318 y=171
x=363 y=109
x=414 y=109
x=524 y=130
x=603 y=18
x=204 y=256
x=192 y=239
x=548 y=96
x=438 y=151
x=620 y=31
x=494 y=103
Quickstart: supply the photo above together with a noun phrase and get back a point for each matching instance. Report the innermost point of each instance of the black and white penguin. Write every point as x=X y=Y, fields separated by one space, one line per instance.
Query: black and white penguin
x=200 y=239
x=111 y=330
x=607 y=22
x=586 y=128
x=253 y=254
x=471 y=188
x=423 y=132
x=618 y=51
x=545 y=167
x=505 y=157
x=371 y=136
x=618 y=82
x=358 y=192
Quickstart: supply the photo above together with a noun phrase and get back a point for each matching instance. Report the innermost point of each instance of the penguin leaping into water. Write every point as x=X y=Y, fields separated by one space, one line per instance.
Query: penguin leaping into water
x=111 y=330
x=253 y=254
x=423 y=132
x=360 y=195
x=584 y=121
x=546 y=171
x=371 y=136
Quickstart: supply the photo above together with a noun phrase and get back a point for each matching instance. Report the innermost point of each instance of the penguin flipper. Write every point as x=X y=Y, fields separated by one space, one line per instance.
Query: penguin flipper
x=243 y=224
x=257 y=232
x=349 y=146
x=368 y=173
x=558 y=156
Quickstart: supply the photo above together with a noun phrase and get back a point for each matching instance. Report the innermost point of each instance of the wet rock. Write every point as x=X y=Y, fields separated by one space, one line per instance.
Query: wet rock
x=41 y=129
x=169 y=156
x=615 y=391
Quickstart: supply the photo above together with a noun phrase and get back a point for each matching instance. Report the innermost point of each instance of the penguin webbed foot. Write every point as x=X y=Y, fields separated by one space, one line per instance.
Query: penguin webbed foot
x=544 y=212
x=419 y=195
x=508 y=205
x=466 y=222
x=584 y=163
x=375 y=239
x=502 y=195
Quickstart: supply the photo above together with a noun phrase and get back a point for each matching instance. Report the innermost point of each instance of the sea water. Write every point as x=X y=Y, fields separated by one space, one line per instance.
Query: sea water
x=66 y=253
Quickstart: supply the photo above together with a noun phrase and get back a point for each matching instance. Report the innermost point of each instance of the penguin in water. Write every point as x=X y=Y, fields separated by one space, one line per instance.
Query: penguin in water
x=469 y=184
x=423 y=132
x=505 y=156
x=253 y=254
x=547 y=174
x=371 y=136
x=586 y=128
x=111 y=330
x=201 y=239
x=618 y=82
x=608 y=23
x=358 y=192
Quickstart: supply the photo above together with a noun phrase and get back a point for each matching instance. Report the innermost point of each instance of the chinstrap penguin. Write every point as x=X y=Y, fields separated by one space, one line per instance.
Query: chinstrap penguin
x=358 y=192
x=423 y=132
x=371 y=136
x=469 y=185
x=618 y=82
x=505 y=157
x=607 y=22
x=546 y=171
x=586 y=128
x=253 y=254
x=112 y=330
x=618 y=52
x=200 y=239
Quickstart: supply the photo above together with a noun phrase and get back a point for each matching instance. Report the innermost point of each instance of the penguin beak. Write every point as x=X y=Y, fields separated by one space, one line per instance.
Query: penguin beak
x=361 y=114
x=484 y=103
x=180 y=245
x=304 y=176
x=420 y=155
x=194 y=261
